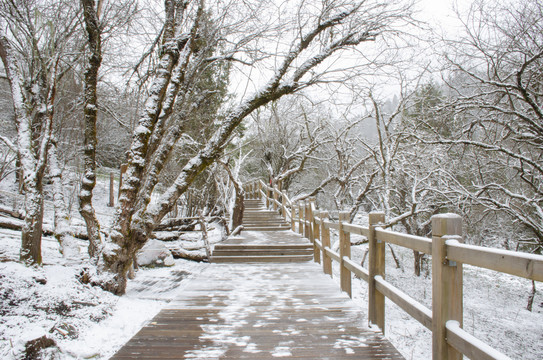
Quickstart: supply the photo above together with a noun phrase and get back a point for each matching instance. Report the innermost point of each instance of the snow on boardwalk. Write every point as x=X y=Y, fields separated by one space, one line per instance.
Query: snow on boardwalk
x=260 y=311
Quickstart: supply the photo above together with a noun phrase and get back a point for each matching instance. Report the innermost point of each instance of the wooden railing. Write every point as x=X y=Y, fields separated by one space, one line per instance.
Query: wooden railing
x=448 y=253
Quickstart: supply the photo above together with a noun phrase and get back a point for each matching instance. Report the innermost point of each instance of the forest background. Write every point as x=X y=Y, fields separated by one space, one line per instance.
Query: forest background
x=359 y=103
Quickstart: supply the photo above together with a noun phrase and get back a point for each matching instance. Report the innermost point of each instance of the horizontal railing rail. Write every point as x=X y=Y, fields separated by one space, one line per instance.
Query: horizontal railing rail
x=449 y=340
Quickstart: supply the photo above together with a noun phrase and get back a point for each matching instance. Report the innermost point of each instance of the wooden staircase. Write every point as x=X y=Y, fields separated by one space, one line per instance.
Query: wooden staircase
x=257 y=218
x=265 y=238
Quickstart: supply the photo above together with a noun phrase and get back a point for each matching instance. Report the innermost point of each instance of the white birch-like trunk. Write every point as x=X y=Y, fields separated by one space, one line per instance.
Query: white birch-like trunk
x=68 y=244
x=33 y=157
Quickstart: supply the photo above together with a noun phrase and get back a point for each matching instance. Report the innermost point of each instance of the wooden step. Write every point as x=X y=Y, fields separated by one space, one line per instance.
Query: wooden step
x=266 y=223
x=272 y=258
x=266 y=228
x=264 y=252
x=261 y=214
x=263 y=218
x=304 y=245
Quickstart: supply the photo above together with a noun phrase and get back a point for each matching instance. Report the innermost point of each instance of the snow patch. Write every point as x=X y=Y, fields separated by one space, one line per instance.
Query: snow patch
x=155 y=253
x=281 y=351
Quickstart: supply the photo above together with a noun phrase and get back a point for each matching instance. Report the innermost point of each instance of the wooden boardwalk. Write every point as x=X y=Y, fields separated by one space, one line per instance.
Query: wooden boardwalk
x=251 y=307
x=260 y=311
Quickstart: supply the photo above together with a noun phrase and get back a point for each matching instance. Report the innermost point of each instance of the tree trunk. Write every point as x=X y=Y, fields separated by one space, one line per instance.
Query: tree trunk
x=396 y=260
x=418 y=261
x=531 y=297
x=239 y=194
x=237 y=212
x=68 y=247
x=31 y=152
x=134 y=223
x=90 y=111
x=204 y=237
x=33 y=222
x=129 y=233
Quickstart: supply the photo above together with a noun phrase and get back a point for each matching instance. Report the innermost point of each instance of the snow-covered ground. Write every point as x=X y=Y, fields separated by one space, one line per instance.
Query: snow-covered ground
x=86 y=322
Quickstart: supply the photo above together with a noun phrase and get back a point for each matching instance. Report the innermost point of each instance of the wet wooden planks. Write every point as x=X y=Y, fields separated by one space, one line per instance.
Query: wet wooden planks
x=260 y=311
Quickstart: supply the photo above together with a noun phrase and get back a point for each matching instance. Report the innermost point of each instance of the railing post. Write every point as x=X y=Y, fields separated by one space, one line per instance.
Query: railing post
x=268 y=197
x=306 y=218
x=293 y=217
x=284 y=206
x=301 y=210
x=308 y=221
x=447 y=287
x=111 y=189
x=259 y=194
x=325 y=236
x=376 y=267
x=344 y=251
x=275 y=190
x=316 y=236
x=309 y=205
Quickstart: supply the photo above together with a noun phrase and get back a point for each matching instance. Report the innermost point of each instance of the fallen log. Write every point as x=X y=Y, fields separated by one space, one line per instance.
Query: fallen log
x=8 y=223
x=15 y=224
x=177 y=224
x=11 y=212
x=194 y=255
x=167 y=235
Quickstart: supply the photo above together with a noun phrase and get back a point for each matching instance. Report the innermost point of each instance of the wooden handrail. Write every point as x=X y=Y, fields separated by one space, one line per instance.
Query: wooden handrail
x=418 y=243
x=332 y=254
x=356 y=229
x=449 y=340
x=356 y=269
x=528 y=266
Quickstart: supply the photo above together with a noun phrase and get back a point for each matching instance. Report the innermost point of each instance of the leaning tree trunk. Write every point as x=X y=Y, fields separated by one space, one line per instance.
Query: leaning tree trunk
x=123 y=241
x=90 y=111
x=239 y=198
x=134 y=225
x=237 y=211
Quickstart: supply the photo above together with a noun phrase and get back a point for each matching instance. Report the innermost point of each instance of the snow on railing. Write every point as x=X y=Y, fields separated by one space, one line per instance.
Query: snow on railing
x=449 y=340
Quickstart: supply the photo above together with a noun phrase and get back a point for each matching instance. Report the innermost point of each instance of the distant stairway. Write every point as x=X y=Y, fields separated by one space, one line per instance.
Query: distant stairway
x=257 y=218
x=264 y=239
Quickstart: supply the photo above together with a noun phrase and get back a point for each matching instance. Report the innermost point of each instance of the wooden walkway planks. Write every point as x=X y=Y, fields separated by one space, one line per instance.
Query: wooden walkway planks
x=260 y=311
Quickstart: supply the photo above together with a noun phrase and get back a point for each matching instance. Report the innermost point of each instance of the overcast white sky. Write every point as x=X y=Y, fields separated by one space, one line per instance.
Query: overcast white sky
x=439 y=13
